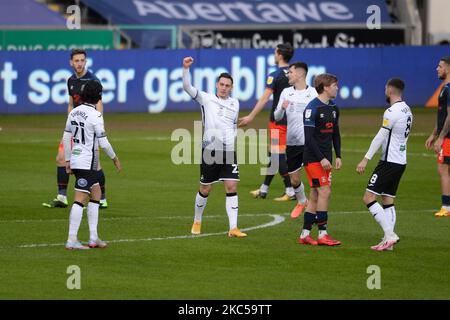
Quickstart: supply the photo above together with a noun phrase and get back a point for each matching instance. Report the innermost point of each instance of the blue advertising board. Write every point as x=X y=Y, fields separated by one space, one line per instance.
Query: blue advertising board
x=151 y=81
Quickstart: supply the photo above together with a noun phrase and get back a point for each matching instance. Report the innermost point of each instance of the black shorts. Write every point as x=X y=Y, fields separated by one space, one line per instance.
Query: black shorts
x=386 y=178
x=85 y=179
x=294 y=155
x=218 y=165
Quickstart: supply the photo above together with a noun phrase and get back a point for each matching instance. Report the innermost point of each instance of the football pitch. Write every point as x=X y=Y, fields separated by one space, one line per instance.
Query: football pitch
x=151 y=254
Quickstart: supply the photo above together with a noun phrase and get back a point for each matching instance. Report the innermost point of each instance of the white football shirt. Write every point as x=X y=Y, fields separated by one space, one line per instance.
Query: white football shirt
x=86 y=125
x=219 y=117
x=298 y=100
x=398 y=120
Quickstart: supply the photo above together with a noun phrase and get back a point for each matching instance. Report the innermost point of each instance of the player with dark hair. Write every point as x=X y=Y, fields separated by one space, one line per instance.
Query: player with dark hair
x=392 y=138
x=440 y=137
x=85 y=127
x=321 y=122
x=74 y=84
x=276 y=82
x=219 y=163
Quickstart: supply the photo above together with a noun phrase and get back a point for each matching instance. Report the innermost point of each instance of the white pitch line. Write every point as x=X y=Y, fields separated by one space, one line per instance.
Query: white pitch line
x=190 y=217
x=137 y=218
x=277 y=219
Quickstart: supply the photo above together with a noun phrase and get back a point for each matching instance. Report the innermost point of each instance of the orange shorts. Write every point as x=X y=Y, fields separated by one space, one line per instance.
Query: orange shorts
x=317 y=175
x=277 y=136
x=444 y=154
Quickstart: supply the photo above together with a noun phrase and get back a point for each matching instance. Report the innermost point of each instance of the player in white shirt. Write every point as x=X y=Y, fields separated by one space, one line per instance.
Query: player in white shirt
x=219 y=163
x=85 y=125
x=293 y=101
x=392 y=138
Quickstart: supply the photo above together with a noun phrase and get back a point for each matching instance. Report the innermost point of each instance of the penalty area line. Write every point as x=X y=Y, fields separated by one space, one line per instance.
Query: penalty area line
x=277 y=219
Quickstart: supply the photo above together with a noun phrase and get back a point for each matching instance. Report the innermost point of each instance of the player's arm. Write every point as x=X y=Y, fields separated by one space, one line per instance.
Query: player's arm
x=337 y=143
x=194 y=93
x=376 y=143
x=104 y=143
x=70 y=105
x=431 y=139
x=257 y=108
x=445 y=130
x=281 y=107
x=378 y=140
x=99 y=106
x=67 y=136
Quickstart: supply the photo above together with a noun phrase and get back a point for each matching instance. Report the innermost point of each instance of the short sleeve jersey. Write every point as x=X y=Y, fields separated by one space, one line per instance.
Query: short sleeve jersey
x=324 y=118
x=74 y=86
x=444 y=102
x=86 y=125
x=298 y=100
x=219 y=117
x=398 y=120
x=277 y=81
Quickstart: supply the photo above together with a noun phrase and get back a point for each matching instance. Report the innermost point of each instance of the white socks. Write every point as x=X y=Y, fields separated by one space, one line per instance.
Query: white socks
x=300 y=193
x=264 y=188
x=378 y=213
x=231 y=205
x=322 y=233
x=290 y=191
x=200 y=204
x=76 y=214
x=391 y=216
x=92 y=214
x=305 y=233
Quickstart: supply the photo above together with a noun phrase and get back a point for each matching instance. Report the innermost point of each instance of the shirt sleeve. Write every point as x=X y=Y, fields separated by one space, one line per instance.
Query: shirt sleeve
x=448 y=95
x=237 y=113
x=193 y=92
x=66 y=140
x=309 y=117
x=389 y=119
x=68 y=87
x=270 y=81
x=68 y=127
x=279 y=111
x=337 y=136
x=99 y=126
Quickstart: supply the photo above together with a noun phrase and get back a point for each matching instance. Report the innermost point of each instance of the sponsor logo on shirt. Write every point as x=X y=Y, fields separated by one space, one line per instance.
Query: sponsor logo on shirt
x=308 y=114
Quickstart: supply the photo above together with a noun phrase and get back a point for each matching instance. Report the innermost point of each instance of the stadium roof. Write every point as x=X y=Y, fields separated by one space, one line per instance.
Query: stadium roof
x=28 y=13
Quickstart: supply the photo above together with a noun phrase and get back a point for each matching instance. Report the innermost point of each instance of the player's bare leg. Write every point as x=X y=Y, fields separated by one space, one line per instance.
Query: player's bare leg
x=101 y=179
x=299 y=190
x=232 y=206
x=200 y=203
x=62 y=179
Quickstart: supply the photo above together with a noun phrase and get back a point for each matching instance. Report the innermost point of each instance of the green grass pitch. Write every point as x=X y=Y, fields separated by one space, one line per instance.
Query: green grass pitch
x=151 y=254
